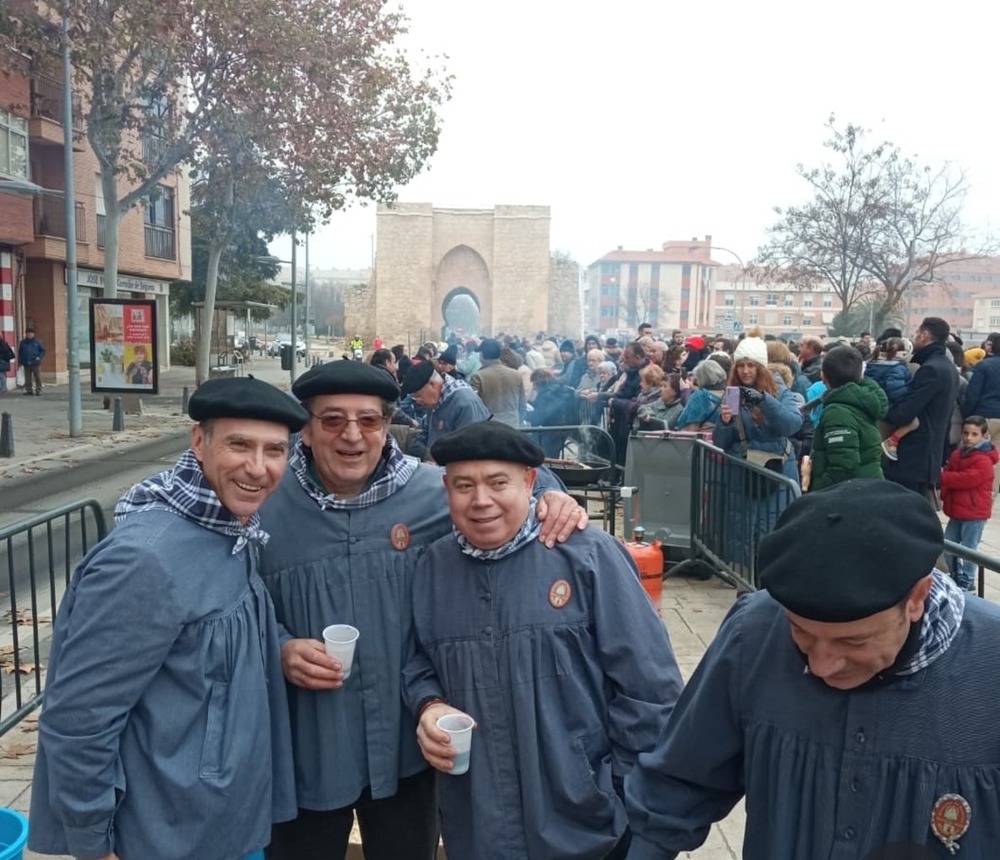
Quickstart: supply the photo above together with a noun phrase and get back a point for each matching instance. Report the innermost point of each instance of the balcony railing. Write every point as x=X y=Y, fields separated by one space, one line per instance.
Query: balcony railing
x=100 y=230
x=160 y=242
x=153 y=148
x=50 y=217
x=47 y=100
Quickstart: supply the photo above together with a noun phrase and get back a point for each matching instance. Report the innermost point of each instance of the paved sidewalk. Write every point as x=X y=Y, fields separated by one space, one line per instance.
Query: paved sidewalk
x=41 y=424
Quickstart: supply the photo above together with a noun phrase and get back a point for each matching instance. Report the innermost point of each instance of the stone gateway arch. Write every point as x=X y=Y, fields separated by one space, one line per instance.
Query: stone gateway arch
x=491 y=266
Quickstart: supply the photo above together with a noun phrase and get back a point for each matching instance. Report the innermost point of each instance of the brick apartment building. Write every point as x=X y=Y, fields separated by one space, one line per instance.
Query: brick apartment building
x=154 y=239
x=670 y=289
x=740 y=302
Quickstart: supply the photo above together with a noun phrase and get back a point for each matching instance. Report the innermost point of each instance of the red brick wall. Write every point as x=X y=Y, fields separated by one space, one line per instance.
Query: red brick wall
x=15 y=210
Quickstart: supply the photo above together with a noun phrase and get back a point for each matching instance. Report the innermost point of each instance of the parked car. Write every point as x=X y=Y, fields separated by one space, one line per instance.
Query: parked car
x=273 y=348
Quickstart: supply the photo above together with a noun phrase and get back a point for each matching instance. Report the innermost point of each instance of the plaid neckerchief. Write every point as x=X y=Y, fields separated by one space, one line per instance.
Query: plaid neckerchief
x=184 y=491
x=528 y=532
x=451 y=385
x=943 y=612
x=393 y=471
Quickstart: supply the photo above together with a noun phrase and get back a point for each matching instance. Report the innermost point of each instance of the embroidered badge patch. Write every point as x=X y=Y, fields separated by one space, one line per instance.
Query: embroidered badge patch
x=950 y=819
x=399 y=536
x=560 y=593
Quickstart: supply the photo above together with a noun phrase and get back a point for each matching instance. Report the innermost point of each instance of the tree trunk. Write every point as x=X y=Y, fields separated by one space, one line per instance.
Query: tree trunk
x=112 y=221
x=208 y=312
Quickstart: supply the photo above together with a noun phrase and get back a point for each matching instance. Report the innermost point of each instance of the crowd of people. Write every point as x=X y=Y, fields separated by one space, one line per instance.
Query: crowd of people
x=193 y=709
x=817 y=412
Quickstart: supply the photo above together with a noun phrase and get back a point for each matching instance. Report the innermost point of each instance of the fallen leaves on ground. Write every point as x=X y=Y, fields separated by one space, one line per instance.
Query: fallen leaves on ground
x=24 y=668
x=16 y=750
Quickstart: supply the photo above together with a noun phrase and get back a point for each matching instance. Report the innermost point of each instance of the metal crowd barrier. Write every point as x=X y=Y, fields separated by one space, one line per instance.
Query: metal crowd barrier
x=39 y=555
x=733 y=504
x=981 y=560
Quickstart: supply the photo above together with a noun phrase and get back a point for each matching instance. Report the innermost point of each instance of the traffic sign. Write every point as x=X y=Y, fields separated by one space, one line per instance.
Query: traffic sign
x=736 y=326
x=728 y=316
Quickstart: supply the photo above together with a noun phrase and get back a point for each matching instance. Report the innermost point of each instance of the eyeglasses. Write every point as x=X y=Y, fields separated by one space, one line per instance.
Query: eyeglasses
x=368 y=422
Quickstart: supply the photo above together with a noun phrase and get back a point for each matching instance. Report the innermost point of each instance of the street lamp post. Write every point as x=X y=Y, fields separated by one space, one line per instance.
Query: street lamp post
x=22 y=186
x=743 y=288
x=293 y=263
x=305 y=291
x=72 y=294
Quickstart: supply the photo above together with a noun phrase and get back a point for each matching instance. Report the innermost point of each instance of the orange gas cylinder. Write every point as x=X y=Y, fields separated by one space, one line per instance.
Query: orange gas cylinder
x=649 y=560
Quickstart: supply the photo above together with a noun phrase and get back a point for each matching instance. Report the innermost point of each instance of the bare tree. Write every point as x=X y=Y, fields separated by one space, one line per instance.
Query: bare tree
x=878 y=222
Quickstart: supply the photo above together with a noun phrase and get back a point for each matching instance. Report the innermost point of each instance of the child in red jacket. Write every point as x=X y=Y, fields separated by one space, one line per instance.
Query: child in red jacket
x=967 y=494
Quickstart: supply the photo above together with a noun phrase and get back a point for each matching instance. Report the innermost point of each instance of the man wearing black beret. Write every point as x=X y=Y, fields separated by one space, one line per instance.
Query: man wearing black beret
x=447 y=403
x=853 y=701
x=557 y=655
x=165 y=690
x=349 y=522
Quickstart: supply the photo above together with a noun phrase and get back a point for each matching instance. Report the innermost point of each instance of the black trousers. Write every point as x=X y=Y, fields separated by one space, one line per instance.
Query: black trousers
x=401 y=827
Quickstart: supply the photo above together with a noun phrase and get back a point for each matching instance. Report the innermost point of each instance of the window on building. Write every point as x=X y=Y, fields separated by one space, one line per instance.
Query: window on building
x=995 y=303
x=159 y=218
x=786 y=319
x=807 y=321
x=827 y=301
x=157 y=125
x=771 y=301
x=789 y=300
x=13 y=145
x=754 y=301
x=730 y=300
x=752 y=319
x=807 y=300
x=994 y=322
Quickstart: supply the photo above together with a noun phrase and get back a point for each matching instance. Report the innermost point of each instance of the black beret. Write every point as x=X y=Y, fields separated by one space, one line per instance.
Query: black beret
x=487 y=440
x=346 y=377
x=417 y=376
x=450 y=355
x=245 y=397
x=852 y=550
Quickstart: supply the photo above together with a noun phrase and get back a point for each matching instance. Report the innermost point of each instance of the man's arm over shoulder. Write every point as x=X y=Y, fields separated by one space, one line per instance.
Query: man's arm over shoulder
x=112 y=637
x=694 y=775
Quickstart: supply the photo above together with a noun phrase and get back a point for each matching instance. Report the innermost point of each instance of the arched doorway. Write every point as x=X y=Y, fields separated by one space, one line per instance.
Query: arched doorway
x=462 y=293
x=461 y=313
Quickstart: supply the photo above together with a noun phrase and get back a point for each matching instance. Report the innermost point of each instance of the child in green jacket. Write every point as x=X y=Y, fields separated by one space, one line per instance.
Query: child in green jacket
x=847 y=442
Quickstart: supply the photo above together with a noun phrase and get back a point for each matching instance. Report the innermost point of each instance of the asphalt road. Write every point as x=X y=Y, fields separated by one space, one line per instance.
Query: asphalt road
x=100 y=477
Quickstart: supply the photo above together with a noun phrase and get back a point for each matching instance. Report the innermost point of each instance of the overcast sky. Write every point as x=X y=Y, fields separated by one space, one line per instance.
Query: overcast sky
x=639 y=121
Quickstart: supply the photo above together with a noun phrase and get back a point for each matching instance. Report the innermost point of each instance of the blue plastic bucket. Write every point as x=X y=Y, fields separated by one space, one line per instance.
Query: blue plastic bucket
x=13 y=834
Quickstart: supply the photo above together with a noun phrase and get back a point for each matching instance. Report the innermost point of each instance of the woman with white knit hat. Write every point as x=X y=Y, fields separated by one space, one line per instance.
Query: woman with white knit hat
x=767 y=417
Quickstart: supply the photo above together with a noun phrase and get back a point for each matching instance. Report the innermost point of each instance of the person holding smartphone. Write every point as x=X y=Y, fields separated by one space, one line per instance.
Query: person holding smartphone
x=766 y=417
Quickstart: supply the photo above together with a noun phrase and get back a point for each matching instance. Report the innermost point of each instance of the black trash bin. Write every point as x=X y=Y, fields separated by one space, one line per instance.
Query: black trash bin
x=286 y=356
x=252 y=343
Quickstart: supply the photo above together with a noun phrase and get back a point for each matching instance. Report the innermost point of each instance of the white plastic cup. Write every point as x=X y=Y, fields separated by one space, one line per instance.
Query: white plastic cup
x=341 y=640
x=459 y=728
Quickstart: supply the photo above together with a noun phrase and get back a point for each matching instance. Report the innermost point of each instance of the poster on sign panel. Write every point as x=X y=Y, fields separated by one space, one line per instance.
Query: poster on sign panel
x=123 y=354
